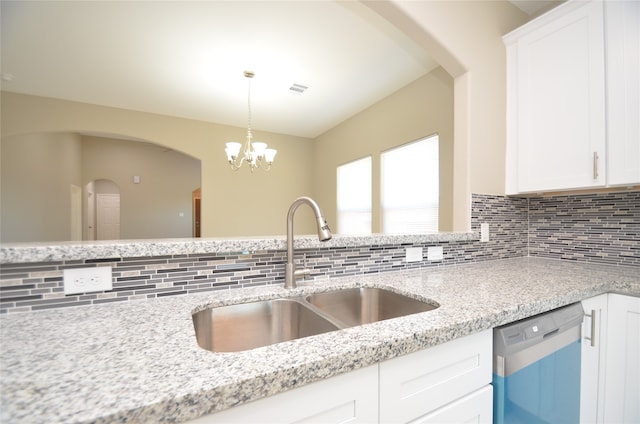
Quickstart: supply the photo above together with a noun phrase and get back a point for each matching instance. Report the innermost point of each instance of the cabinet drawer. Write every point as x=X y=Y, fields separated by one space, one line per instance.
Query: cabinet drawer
x=474 y=408
x=416 y=384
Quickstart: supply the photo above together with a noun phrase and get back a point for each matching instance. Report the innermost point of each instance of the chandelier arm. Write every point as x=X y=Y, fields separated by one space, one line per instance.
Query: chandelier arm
x=265 y=168
x=263 y=164
x=235 y=164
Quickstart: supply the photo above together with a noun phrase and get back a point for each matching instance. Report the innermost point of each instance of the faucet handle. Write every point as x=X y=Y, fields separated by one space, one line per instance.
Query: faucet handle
x=304 y=272
x=301 y=273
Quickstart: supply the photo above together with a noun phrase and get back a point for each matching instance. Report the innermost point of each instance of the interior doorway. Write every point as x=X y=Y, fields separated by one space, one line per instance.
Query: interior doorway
x=103 y=210
x=195 y=197
x=107 y=216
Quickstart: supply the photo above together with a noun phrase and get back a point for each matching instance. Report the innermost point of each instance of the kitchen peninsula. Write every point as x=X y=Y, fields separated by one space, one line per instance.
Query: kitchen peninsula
x=139 y=360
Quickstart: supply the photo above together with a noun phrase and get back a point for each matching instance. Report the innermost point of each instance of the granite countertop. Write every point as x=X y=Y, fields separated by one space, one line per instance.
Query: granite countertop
x=74 y=250
x=139 y=361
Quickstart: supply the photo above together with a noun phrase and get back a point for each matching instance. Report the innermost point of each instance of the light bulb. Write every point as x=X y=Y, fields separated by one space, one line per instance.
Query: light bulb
x=232 y=150
x=269 y=154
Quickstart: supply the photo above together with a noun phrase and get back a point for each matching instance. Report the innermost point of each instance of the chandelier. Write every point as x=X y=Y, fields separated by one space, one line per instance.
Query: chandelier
x=255 y=154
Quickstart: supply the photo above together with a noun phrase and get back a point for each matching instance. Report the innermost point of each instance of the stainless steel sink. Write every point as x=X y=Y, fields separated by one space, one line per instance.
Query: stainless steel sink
x=365 y=305
x=250 y=325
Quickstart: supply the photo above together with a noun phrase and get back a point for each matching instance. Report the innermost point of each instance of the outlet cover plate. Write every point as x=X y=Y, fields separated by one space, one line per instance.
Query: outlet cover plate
x=435 y=253
x=85 y=280
x=413 y=254
x=484 y=232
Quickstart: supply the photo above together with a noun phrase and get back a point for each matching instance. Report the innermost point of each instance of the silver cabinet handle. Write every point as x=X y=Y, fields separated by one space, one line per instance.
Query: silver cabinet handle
x=593 y=327
x=595 y=165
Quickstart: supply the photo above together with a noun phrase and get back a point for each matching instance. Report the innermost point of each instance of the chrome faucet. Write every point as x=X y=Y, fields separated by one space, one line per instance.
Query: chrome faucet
x=324 y=234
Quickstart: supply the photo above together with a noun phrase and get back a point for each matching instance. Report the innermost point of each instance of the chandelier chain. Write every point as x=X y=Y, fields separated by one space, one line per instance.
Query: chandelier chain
x=249 y=105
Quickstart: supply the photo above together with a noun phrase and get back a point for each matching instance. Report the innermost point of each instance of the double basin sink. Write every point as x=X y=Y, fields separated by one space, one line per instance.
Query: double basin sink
x=247 y=326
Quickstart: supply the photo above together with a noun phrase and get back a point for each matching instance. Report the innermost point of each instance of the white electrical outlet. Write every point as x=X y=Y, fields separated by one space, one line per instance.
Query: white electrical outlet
x=484 y=232
x=435 y=253
x=85 y=280
x=413 y=254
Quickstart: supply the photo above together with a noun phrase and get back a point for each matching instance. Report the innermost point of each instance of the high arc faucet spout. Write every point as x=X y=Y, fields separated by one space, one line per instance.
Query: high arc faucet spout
x=324 y=234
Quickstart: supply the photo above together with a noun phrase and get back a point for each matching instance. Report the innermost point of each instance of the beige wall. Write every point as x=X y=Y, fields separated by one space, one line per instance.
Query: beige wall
x=465 y=37
x=40 y=185
x=233 y=203
x=422 y=108
x=151 y=208
x=36 y=186
x=245 y=203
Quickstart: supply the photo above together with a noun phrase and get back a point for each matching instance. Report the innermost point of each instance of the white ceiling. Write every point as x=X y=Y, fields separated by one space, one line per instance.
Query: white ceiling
x=186 y=58
x=535 y=7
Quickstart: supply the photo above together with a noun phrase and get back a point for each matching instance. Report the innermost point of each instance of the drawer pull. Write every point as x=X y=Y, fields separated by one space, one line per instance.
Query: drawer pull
x=593 y=327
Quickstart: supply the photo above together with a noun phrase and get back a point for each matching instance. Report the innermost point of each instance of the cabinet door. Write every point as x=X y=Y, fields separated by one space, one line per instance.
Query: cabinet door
x=592 y=373
x=419 y=383
x=622 y=28
x=622 y=386
x=474 y=408
x=351 y=397
x=556 y=100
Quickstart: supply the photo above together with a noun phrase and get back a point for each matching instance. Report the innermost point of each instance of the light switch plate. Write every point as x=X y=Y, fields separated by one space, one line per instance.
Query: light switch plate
x=85 y=280
x=413 y=254
x=435 y=253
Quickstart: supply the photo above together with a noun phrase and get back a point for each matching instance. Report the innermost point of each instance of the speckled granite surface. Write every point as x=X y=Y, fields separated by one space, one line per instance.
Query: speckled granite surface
x=139 y=361
x=45 y=252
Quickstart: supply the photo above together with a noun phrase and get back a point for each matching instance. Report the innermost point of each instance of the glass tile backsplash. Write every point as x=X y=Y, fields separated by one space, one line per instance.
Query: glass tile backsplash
x=602 y=228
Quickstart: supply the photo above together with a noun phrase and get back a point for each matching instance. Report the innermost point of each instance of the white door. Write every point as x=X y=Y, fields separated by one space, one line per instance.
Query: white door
x=108 y=216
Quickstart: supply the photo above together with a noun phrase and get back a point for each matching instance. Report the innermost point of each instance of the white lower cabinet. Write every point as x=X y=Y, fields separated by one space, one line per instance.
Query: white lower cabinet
x=622 y=381
x=610 y=380
x=444 y=383
x=474 y=408
x=594 y=344
x=417 y=384
x=347 y=398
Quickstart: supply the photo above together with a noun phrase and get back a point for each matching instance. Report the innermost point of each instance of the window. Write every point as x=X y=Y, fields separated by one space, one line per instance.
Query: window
x=354 y=197
x=410 y=188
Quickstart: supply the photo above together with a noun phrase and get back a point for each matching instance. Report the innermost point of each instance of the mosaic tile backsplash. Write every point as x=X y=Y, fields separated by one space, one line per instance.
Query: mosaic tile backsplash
x=600 y=228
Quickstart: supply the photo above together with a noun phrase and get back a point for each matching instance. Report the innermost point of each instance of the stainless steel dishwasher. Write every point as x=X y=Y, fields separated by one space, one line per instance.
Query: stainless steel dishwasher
x=536 y=368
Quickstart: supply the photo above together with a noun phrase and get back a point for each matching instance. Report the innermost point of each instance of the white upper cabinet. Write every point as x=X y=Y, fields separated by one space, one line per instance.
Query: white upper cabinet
x=567 y=126
x=622 y=27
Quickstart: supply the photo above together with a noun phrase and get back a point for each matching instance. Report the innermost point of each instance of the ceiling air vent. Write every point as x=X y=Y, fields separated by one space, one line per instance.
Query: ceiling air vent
x=297 y=88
